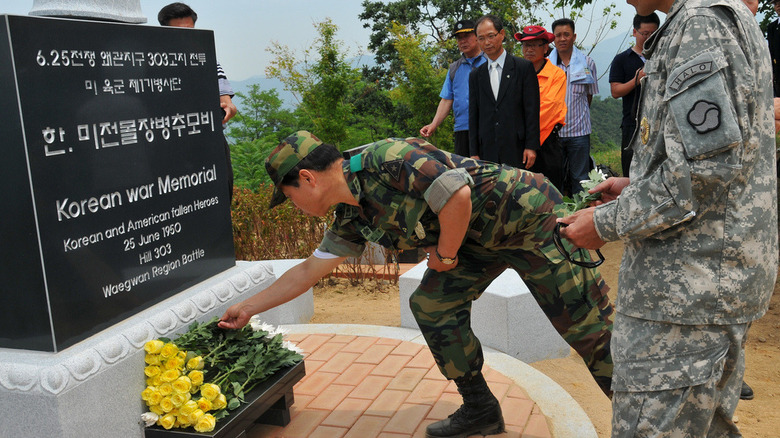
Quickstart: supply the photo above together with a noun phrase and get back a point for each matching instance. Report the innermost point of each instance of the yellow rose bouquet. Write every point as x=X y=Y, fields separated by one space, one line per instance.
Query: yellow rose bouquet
x=198 y=378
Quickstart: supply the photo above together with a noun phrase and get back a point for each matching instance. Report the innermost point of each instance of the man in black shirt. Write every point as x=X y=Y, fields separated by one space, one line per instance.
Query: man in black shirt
x=624 y=75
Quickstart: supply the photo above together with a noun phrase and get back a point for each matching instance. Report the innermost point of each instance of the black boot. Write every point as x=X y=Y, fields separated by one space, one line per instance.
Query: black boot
x=480 y=412
x=747 y=392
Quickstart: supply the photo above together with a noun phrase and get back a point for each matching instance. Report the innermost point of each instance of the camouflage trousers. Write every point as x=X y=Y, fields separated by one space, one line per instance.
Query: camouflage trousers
x=676 y=380
x=517 y=234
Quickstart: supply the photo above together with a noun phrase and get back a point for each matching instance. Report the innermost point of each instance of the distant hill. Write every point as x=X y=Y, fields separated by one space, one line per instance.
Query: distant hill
x=286 y=96
x=603 y=54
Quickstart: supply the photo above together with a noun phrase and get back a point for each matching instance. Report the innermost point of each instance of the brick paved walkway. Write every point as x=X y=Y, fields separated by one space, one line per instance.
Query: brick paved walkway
x=372 y=386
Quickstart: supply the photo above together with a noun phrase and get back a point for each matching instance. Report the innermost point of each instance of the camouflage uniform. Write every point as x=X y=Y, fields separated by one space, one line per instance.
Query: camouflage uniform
x=698 y=224
x=401 y=185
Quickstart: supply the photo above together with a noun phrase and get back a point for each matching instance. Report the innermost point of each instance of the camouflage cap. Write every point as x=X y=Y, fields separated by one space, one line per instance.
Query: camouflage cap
x=285 y=156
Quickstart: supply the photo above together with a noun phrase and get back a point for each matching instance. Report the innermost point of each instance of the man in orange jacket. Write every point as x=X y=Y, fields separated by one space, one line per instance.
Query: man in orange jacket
x=535 y=41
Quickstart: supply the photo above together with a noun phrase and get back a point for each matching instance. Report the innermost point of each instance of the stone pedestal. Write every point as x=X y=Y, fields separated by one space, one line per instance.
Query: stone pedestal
x=506 y=317
x=93 y=389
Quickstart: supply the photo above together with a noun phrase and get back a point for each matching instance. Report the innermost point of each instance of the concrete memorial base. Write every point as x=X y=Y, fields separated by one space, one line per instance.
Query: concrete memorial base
x=93 y=389
x=506 y=317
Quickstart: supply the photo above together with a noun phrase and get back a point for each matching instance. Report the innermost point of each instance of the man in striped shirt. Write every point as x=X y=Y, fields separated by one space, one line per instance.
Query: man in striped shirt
x=581 y=85
x=180 y=15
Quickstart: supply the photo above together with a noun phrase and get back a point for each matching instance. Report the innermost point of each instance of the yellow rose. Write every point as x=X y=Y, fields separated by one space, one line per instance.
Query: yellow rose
x=154 y=346
x=182 y=422
x=179 y=399
x=210 y=391
x=165 y=389
x=188 y=407
x=171 y=364
x=195 y=416
x=196 y=363
x=196 y=377
x=166 y=404
x=169 y=350
x=151 y=370
x=147 y=392
x=219 y=403
x=182 y=385
x=170 y=375
x=154 y=397
x=204 y=405
x=152 y=359
x=206 y=423
x=156 y=409
x=167 y=421
x=154 y=381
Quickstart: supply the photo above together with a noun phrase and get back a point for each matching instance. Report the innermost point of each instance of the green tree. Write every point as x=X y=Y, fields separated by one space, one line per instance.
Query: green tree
x=261 y=115
x=419 y=83
x=433 y=21
x=248 y=159
x=606 y=115
x=322 y=86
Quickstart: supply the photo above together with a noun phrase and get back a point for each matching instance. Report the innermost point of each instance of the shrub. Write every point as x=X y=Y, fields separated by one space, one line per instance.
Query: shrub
x=281 y=233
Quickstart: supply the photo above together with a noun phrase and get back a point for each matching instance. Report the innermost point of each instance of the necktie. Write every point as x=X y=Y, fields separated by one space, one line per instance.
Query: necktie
x=494 y=78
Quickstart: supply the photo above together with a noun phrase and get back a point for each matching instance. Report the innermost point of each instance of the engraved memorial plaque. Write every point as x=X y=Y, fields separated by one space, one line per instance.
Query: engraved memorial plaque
x=114 y=174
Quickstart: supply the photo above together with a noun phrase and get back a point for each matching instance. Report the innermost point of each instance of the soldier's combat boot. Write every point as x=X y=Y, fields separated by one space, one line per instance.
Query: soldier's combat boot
x=480 y=412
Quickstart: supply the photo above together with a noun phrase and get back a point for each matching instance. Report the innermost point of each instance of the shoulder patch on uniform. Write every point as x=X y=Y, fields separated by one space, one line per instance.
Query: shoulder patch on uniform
x=394 y=168
x=689 y=73
x=704 y=116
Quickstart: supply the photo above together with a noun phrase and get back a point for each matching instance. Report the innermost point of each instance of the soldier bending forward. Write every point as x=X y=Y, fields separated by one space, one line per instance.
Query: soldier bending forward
x=474 y=218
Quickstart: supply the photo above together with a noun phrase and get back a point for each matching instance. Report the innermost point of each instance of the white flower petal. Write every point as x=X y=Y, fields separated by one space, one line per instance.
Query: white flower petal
x=149 y=418
x=292 y=347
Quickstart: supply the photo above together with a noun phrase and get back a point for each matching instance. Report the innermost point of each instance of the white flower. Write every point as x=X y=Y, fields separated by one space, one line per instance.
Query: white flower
x=149 y=418
x=275 y=331
x=292 y=347
x=258 y=325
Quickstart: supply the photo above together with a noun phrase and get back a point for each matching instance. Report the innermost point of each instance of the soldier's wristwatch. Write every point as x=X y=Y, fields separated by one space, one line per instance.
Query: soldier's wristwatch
x=446 y=260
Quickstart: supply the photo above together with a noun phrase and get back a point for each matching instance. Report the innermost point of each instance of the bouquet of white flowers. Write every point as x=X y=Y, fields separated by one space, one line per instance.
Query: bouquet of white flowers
x=581 y=200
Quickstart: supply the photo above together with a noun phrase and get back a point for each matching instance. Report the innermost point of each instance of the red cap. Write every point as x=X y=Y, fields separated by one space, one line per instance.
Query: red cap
x=534 y=33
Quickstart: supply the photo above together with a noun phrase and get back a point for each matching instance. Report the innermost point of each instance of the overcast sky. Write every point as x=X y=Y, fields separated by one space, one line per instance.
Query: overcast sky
x=244 y=28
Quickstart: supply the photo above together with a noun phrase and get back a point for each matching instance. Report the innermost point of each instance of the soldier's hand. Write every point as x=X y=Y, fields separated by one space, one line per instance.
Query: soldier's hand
x=581 y=231
x=436 y=264
x=610 y=190
x=235 y=317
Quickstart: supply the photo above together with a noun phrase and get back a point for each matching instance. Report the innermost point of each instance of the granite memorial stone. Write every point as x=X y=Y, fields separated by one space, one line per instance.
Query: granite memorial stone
x=114 y=174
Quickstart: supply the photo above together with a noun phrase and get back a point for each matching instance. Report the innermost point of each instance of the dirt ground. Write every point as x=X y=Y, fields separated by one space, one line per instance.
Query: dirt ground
x=336 y=301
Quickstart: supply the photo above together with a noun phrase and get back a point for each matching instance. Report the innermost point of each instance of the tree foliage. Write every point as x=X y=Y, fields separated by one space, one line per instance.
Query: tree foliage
x=322 y=85
x=261 y=116
x=605 y=116
x=434 y=20
x=419 y=83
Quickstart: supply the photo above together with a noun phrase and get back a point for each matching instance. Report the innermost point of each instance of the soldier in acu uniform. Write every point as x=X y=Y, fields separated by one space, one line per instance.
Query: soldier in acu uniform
x=474 y=218
x=697 y=219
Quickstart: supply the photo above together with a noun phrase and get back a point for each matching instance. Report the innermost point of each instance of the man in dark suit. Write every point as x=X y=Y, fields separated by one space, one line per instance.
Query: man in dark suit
x=503 y=102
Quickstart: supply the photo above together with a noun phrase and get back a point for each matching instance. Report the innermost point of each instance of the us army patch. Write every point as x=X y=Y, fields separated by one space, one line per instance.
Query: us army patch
x=685 y=75
x=394 y=168
x=704 y=116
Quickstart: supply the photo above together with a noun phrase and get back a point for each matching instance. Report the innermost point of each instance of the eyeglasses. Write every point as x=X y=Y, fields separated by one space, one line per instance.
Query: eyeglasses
x=489 y=36
x=645 y=34
x=533 y=46
x=582 y=252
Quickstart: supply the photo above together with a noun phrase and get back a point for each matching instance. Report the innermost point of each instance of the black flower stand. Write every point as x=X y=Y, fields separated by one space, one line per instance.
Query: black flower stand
x=268 y=403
